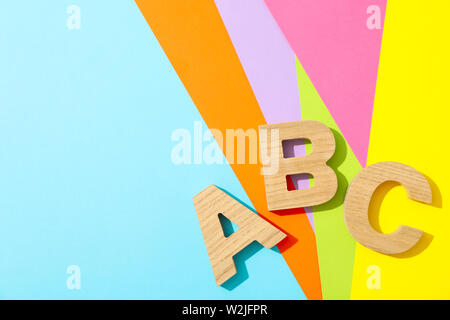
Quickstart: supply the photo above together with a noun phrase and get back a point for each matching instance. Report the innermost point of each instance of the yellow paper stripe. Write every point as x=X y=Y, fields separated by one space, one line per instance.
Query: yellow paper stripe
x=410 y=125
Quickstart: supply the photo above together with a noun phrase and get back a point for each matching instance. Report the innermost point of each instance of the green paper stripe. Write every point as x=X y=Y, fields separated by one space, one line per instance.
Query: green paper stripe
x=335 y=245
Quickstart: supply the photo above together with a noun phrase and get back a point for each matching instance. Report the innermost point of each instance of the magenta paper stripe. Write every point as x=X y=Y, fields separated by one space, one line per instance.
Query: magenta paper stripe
x=338 y=44
x=268 y=62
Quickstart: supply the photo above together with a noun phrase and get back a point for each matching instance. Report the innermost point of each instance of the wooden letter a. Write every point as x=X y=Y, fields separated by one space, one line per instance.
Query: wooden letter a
x=208 y=204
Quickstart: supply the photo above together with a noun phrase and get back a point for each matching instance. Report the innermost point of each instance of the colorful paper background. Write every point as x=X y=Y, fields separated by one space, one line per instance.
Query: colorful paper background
x=87 y=122
x=86 y=175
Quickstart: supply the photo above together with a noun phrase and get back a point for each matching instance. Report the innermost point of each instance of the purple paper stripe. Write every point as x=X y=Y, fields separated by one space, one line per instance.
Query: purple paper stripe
x=269 y=64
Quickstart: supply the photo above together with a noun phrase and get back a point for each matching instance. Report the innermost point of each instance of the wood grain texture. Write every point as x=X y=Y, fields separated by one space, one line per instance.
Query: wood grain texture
x=208 y=204
x=357 y=201
x=323 y=147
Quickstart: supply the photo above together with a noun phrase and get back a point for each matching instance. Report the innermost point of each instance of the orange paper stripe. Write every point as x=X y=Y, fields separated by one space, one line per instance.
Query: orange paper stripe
x=197 y=44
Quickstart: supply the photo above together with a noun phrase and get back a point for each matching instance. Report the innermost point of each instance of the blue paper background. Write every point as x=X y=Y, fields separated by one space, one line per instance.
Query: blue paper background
x=86 y=177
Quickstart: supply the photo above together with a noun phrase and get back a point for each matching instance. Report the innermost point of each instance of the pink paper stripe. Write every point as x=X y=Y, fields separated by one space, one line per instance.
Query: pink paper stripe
x=338 y=44
x=268 y=62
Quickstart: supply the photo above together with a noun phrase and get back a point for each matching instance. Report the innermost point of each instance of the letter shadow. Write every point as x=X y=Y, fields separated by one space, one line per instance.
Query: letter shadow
x=374 y=210
x=241 y=269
